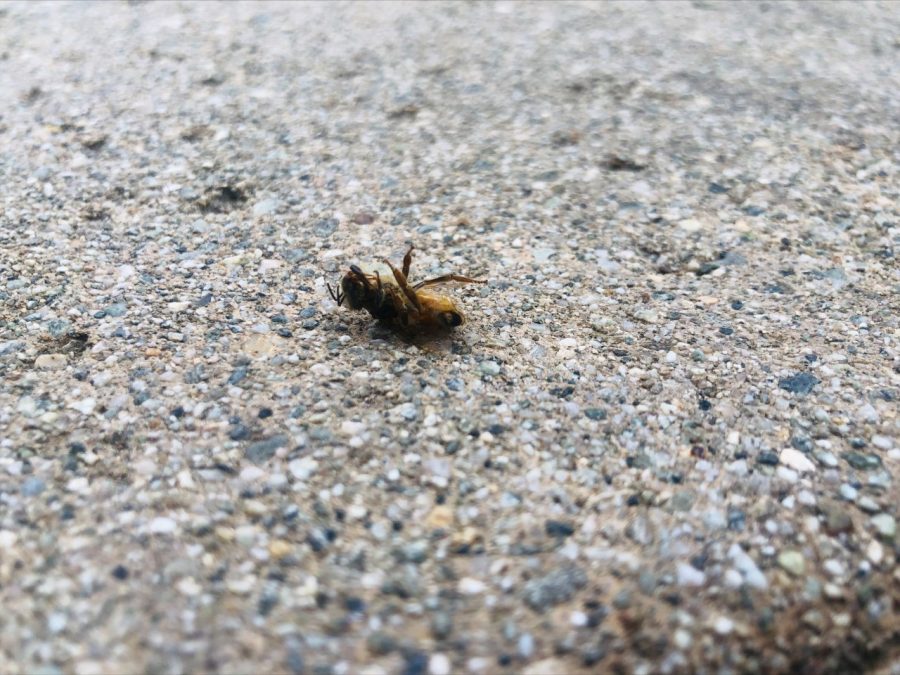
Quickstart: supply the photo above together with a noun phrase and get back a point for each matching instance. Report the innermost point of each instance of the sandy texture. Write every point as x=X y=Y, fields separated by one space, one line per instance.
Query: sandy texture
x=666 y=441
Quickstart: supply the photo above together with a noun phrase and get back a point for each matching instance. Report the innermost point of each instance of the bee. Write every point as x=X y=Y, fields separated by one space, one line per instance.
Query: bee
x=394 y=300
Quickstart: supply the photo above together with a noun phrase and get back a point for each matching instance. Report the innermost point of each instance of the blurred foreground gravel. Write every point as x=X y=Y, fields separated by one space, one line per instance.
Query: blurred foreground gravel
x=666 y=441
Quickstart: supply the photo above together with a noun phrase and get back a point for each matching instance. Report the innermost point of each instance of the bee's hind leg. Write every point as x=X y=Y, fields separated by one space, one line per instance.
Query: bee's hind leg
x=407 y=261
x=405 y=287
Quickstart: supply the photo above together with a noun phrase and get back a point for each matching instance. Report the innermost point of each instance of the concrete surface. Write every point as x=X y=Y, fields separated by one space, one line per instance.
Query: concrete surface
x=666 y=441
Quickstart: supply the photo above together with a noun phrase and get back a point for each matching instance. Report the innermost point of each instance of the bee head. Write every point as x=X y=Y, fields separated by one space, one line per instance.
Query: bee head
x=452 y=319
x=354 y=289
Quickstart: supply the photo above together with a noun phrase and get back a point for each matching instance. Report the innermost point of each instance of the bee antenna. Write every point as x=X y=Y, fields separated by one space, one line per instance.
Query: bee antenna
x=337 y=297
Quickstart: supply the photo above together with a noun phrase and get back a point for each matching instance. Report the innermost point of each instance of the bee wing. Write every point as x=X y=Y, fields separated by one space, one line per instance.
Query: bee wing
x=448 y=279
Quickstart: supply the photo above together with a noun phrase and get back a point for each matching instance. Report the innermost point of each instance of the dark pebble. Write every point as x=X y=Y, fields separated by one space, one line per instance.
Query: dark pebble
x=238 y=432
x=801 y=383
x=355 y=605
x=285 y=332
x=415 y=663
x=178 y=412
x=554 y=588
x=380 y=643
x=120 y=572
x=736 y=519
x=100 y=315
x=595 y=414
x=264 y=413
x=768 y=458
x=737 y=304
x=309 y=324
x=441 y=625
x=704 y=404
x=862 y=462
x=326 y=227
x=559 y=528
x=802 y=443
x=717 y=189
x=307 y=312
x=454 y=384
x=238 y=374
x=726 y=330
x=754 y=211
x=262 y=451
x=496 y=429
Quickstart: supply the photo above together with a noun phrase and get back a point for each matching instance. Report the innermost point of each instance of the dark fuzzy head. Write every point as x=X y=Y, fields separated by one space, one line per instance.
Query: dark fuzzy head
x=451 y=319
x=355 y=289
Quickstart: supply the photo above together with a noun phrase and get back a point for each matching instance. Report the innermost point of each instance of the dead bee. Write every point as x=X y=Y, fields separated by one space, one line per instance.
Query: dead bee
x=394 y=300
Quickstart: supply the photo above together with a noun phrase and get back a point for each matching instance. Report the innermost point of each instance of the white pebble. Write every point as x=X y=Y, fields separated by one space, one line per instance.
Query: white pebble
x=85 y=406
x=688 y=575
x=162 y=525
x=578 y=619
x=796 y=460
x=723 y=625
x=470 y=586
x=834 y=567
x=439 y=664
x=303 y=468
x=252 y=473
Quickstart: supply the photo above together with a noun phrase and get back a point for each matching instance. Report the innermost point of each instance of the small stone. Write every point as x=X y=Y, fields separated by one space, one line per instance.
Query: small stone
x=553 y=588
x=470 y=586
x=646 y=315
x=116 y=309
x=380 y=643
x=833 y=567
x=596 y=414
x=683 y=500
x=883 y=442
x=262 y=451
x=792 y=561
x=885 y=525
x=747 y=567
x=768 y=458
x=303 y=468
x=801 y=383
x=50 y=361
x=440 y=518
x=837 y=519
x=868 y=504
x=559 y=528
x=162 y=525
x=188 y=586
x=439 y=664
x=875 y=552
x=848 y=492
x=85 y=405
x=723 y=625
x=796 y=460
x=862 y=462
x=489 y=368
x=688 y=575
x=32 y=487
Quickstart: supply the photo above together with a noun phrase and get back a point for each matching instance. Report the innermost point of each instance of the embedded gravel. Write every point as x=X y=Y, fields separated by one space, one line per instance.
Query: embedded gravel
x=665 y=441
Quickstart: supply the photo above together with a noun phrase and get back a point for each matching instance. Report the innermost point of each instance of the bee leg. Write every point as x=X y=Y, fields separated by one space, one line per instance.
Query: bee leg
x=405 y=287
x=407 y=261
x=449 y=277
x=338 y=297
